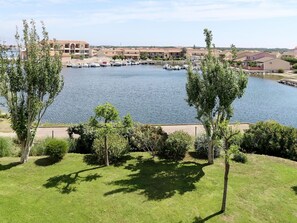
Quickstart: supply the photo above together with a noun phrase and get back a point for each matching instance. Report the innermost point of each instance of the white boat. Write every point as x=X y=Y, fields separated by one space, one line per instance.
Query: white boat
x=94 y=65
x=117 y=64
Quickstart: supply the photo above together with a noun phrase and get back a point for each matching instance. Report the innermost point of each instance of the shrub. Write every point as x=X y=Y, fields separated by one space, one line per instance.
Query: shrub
x=56 y=148
x=5 y=147
x=117 y=148
x=38 y=149
x=147 y=138
x=85 y=140
x=294 y=66
x=239 y=157
x=176 y=146
x=271 y=138
x=281 y=71
x=72 y=145
x=201 y=147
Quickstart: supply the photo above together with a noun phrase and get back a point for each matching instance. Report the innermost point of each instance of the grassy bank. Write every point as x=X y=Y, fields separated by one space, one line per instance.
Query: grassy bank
x=146 y=190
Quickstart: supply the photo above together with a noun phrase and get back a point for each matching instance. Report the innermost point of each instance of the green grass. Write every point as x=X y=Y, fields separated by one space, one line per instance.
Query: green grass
x=146 y=190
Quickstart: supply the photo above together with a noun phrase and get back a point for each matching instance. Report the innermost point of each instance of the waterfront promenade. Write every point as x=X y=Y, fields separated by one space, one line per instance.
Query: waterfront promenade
x=62 y=133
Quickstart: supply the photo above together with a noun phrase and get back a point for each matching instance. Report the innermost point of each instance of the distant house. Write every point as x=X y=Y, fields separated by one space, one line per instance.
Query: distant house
x=243 y=55
x=269 y=64
x=256 y=56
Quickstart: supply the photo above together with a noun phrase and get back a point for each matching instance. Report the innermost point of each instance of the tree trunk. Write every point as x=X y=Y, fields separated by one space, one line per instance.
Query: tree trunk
x=106 y=151
x=210 y=152
x=224 y=201
x=25 y=153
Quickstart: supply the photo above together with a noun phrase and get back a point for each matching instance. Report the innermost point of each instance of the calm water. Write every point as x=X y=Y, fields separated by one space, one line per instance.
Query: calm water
x=153 y=95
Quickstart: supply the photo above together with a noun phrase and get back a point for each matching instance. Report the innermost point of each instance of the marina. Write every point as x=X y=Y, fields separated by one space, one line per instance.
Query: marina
x=150 y=94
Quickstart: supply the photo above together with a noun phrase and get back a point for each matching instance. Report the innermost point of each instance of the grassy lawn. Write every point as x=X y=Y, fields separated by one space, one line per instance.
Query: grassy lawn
x=146 y=190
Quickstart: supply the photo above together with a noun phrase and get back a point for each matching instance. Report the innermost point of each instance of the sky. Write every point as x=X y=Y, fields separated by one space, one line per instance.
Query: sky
x=245 y=23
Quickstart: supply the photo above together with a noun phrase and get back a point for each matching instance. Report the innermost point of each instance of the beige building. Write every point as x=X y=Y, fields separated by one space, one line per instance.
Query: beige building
x=269 y=64
x=71 y=48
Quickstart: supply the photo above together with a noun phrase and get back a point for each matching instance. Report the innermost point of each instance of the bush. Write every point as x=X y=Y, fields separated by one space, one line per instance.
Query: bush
x=39 y=147
x=56 y=148
x=271 y=138
x=239 y=157
x=281 y=71
x=147 y=138
x=201 y=147
x=294 y=66
x=176 y=146
x=5 y=147
x=117 y=148
x=83 y=144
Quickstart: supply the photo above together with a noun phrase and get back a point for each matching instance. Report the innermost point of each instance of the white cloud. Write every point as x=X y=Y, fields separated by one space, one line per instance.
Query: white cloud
x=99 y=12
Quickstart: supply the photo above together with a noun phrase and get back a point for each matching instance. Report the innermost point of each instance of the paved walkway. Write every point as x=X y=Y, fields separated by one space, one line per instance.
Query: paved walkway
x=62 y=133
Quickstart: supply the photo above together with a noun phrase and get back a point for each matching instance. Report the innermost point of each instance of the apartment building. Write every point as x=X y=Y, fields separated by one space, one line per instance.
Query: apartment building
x=71 y=48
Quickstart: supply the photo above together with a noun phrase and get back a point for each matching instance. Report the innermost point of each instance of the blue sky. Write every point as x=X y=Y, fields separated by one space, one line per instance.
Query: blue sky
x=246 y=23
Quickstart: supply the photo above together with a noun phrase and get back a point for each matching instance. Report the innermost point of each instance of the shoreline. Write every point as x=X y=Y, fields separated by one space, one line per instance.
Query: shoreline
x=192 y=129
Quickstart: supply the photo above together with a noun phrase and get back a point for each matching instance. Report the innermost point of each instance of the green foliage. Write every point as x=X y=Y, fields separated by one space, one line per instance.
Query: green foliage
x=239 y=157
x=118 y=57
x=213 y=91
x=252 y=63
x=143 y=55
x=29 y=83
x=106 y=113
x=39 y=148
x=233 y=52
x=176 y=146
x=117 y=148
x=83 y=144
x=281 y=71
x=148 y=138
x=294 y=66
x=56 y=148
x=271 y=138
x=201 y=146
x=5 y=147
x=291 y=60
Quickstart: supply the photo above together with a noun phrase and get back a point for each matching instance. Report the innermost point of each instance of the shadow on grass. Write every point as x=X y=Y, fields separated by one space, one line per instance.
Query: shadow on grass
x=66 y=183
x=46 y=161
x=294 y=188
x=8 y=166
x=159 y=180
x=91 y=160
x=202 y=220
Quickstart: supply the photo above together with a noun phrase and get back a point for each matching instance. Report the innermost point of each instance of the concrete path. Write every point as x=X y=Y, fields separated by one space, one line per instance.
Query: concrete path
x=62 y=133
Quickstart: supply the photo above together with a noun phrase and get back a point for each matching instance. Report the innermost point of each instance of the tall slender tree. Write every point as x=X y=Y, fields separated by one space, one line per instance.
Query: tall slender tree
x=212 y=91
x=30 y=81
x=230 y=146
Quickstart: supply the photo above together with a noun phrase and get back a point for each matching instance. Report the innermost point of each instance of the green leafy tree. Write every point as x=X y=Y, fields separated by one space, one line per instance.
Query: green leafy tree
x=230 y=146
x=29 y=82
x=233 y=53
x=212 y=91
x=106 y=117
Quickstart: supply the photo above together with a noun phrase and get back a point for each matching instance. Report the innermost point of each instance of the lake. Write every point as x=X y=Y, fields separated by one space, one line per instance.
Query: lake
x=154 y=95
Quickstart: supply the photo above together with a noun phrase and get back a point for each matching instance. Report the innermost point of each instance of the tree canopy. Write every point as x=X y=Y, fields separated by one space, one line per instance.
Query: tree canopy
x=30 y=81
x=212 y=91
